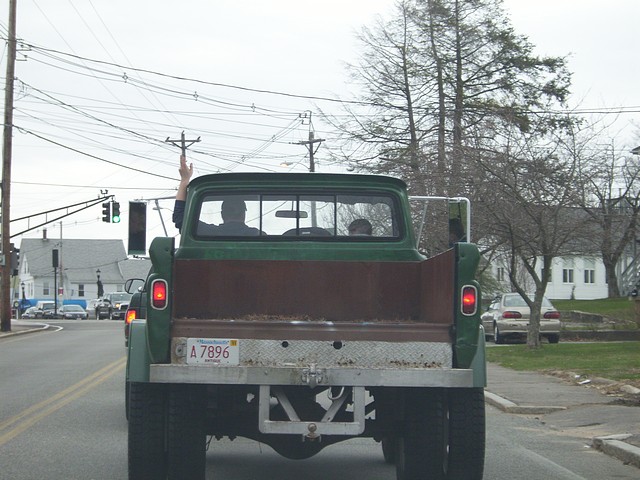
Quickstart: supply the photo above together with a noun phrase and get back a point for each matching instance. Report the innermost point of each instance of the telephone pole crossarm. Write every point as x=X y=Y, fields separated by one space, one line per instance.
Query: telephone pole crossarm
x=309 y=144
x=182 y=143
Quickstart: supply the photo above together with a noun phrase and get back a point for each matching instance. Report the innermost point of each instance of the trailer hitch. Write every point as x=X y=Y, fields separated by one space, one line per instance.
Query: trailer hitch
x=312 y=376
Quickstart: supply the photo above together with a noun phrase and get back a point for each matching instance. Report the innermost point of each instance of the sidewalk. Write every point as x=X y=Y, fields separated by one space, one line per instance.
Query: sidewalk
x=611 y=421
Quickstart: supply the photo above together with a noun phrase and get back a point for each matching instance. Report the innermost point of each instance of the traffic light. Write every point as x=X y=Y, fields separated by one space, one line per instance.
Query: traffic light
x=15 y=259
x=106 y=212
x=115 y=212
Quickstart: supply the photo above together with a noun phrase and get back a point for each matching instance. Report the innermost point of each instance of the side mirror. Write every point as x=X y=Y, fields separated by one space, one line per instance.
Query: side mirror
x=133 y=285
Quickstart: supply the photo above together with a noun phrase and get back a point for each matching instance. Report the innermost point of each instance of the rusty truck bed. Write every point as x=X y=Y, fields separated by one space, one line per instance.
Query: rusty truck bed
x=321 y=300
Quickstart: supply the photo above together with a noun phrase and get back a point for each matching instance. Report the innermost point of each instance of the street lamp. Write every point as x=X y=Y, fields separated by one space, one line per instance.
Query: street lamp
x=99 y=283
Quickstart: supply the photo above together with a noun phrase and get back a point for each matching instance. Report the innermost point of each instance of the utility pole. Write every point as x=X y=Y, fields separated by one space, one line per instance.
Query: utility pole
x=5 y=280
x=182 y=143
x=309 y=143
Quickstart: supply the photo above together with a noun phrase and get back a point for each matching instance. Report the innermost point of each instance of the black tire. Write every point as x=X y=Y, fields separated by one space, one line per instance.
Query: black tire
x=146 y=446
x=497 y=337
x=467 y=428
x=389 y=449
x=421 y=452
x=186 y=435
x=126 y=399
x=553 y=337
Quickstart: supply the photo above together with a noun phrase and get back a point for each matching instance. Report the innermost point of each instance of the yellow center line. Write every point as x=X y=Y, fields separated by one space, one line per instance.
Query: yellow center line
x=57 y=401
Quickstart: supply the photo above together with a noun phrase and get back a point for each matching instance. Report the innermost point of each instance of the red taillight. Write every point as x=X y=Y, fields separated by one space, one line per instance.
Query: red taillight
x=552 y=315
x=131 y=315
x=159 y=294
x=469 y=300
x=511 y=314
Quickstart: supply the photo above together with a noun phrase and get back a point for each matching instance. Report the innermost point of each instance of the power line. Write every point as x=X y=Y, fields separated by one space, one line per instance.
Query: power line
x=95 y=156
x=198 y=81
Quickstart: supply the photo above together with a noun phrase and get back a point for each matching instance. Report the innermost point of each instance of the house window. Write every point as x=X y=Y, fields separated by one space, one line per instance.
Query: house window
x=567 y=275
x=81 y=289
x=567 y=271
x=542 y=274
x=589 y=276
x=45 y=288
x=589 y=271
x=500 y=274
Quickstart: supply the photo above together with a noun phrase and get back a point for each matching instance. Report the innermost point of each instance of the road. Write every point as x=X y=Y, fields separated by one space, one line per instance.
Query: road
x=62 y=417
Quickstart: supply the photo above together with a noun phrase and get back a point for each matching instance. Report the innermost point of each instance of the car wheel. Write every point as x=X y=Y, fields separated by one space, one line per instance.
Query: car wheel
x=497 y=337
x=553 y=338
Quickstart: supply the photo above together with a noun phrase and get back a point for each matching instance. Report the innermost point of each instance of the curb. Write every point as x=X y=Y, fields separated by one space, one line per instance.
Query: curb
x=509 y=407
x=612 y=445
x=615 y=446
x=23 y=332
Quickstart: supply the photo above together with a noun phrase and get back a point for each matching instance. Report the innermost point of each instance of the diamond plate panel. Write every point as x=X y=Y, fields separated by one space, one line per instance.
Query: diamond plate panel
x=302 y=353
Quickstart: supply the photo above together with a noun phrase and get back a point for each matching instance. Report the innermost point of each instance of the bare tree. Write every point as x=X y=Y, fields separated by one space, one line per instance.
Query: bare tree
x=528 y=194
x=433 y=77
x=610 y=197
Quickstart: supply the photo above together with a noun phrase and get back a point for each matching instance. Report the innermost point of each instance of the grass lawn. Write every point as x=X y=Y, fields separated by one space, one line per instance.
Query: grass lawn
x=616 y=308
x=614 y=360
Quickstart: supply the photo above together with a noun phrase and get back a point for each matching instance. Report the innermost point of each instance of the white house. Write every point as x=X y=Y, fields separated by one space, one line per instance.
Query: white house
x=577 y=277
x=80 y=263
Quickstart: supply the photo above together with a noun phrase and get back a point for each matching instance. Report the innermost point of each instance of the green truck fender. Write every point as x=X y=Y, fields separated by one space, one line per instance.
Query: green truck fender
x=158 y=328
x=138 y=359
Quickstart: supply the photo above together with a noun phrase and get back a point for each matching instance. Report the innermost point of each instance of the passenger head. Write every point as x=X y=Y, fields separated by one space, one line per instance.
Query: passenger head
x=360 y=226
x=233 y=210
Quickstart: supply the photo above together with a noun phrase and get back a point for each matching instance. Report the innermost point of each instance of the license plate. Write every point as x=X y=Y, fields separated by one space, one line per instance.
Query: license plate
x=213 y=351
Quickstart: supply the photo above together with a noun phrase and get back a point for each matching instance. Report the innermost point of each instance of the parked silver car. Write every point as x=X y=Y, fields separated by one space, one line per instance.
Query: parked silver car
x=508 y=316
x=32 y=312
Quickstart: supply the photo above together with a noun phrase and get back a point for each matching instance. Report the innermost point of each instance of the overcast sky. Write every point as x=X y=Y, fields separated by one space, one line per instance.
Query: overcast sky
x=241 y=75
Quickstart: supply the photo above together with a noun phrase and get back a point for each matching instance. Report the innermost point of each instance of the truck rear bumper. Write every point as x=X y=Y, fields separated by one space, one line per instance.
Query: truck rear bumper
x=312 y=376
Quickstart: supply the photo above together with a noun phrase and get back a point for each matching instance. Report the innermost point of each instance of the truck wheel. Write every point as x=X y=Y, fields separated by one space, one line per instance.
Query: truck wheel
x=389 y=450
x=147 y=407
x=186 y=436
x=420 y=451
x=126 y=399
x=466 y=434
x=497 y=337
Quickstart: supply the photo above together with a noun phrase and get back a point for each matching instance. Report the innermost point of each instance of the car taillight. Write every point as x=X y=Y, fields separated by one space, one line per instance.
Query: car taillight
x=159 y=294
x=552 y=315
x=469 y=300
x=511 y=314
x=131 y=315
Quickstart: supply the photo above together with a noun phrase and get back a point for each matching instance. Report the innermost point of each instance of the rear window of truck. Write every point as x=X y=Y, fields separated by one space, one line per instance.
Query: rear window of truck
x=347 y=217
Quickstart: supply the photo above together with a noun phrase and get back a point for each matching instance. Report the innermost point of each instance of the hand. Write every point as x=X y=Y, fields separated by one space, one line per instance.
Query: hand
x=185 y=176
x=185 y=172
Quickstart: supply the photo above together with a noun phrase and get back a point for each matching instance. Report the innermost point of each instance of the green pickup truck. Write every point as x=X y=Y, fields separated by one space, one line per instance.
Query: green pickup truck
x=296 y=329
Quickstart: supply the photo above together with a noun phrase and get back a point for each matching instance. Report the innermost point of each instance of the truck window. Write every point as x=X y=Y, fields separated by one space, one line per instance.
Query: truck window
x=321 y=216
